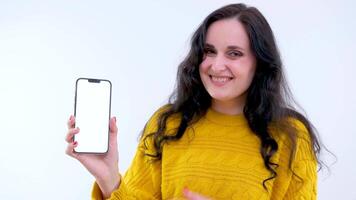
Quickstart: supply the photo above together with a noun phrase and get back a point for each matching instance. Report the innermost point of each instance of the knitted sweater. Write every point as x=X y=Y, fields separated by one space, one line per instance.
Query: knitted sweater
x=218 y=157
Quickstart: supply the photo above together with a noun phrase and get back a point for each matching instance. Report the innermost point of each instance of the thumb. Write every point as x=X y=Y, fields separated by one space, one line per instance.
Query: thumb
x=113 y=130
x=112 y=125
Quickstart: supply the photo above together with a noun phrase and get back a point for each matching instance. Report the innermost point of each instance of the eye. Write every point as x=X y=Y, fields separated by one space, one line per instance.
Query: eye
x=235 y=54
x=209 y=51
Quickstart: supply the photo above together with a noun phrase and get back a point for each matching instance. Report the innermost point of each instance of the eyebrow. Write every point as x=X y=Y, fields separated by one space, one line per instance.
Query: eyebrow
x=229 y=47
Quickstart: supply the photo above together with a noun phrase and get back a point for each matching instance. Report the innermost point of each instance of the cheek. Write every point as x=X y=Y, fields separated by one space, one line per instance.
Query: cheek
x=203 y=71
x=250 y=74
x=247 y=69
x=203 y=67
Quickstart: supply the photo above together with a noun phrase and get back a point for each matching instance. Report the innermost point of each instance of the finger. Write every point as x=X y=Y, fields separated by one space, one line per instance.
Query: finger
x=70 y=134
x=113 y=127
x=71 y=122
x=70 y=149
x=113 y=130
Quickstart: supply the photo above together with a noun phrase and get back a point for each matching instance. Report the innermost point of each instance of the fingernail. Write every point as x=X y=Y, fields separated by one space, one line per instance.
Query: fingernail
x=115 y=119
x=70 y=118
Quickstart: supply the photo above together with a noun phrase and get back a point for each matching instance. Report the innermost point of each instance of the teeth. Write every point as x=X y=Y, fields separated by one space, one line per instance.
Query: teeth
x=220 y=79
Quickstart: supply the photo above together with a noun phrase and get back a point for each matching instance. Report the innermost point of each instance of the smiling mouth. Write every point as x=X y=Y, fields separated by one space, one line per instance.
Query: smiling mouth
x=220 y=80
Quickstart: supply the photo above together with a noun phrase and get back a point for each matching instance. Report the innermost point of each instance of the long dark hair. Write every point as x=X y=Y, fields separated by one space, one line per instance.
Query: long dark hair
x=269 y=100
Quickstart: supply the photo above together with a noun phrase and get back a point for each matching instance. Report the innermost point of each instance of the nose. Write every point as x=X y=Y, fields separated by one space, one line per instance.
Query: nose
x=218 y=64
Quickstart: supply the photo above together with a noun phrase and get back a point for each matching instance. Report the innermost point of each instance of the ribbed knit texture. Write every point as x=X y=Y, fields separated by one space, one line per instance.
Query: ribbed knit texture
x=218 y=157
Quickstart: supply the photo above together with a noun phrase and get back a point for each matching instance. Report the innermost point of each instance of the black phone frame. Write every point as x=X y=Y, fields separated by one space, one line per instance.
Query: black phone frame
x=93 y=80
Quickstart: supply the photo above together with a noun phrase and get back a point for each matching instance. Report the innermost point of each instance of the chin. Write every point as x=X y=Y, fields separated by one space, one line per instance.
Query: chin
x=221 y=97
x=226 y=96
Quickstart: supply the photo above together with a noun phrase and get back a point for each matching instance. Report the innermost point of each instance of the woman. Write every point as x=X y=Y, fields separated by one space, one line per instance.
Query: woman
x=229 y=131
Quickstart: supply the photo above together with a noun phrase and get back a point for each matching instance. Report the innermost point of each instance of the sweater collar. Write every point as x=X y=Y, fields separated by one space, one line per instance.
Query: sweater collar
x=225 y=119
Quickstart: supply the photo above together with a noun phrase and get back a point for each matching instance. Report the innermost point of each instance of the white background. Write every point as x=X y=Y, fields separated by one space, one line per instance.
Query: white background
x=46 y=45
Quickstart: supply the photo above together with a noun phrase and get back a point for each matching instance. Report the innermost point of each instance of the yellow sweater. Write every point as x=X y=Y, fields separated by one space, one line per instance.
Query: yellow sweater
x=218 y=157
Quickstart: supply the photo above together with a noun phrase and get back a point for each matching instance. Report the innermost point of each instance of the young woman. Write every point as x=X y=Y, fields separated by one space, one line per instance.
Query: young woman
x=229 y=131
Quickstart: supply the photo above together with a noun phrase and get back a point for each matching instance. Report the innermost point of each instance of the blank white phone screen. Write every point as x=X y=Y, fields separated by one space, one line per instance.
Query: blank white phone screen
x=92 y=113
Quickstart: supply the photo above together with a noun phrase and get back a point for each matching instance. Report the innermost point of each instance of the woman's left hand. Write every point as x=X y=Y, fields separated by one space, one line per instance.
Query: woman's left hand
x=193 y=196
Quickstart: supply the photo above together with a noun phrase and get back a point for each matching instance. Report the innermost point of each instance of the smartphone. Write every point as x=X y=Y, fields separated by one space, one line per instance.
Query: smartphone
x=92 y=115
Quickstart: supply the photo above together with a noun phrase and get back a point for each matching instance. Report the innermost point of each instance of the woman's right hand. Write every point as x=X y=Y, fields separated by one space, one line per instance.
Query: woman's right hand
x=103 y=167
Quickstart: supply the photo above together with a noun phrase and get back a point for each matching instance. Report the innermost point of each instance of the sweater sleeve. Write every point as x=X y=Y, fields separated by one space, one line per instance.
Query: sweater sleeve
x=303 y=182
x=143 y=178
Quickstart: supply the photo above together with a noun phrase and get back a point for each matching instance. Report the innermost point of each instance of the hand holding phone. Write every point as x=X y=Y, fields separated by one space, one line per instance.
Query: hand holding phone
x=103 y=166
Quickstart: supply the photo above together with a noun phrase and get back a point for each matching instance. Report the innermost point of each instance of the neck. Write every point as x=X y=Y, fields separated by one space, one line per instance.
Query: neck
x=231 y=107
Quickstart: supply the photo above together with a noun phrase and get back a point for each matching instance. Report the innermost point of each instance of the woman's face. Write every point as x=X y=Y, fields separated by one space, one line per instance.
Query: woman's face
x=228 y=66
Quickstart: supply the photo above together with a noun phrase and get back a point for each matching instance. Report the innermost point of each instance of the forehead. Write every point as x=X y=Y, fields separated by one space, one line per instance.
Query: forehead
x=227 y=32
